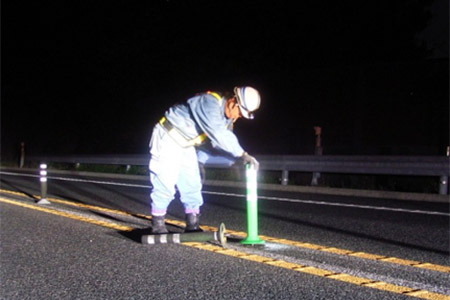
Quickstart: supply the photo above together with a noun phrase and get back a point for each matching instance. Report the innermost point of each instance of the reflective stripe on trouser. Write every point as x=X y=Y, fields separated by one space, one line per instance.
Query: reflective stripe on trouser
x=171 y=165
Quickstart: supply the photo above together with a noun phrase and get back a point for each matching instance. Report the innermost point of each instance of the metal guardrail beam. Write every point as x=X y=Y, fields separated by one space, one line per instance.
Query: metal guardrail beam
x=121 y=159
x=379 y=165
x=387 y=165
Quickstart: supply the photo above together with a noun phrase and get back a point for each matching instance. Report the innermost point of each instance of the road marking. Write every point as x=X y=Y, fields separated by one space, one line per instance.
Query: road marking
x=77 y=180
x=69 y=215
x=361 y=281
x=369 y=256
x=365 y=282
x=339 y=204
x=299 y=244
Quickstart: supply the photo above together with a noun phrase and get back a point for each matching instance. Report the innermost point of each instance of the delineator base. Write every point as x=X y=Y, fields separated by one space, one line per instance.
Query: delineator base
x=177 y=238
x=252 y=241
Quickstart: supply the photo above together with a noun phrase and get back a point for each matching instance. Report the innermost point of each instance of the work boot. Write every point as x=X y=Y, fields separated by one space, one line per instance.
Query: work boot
x=158 y=225
x=192 y=223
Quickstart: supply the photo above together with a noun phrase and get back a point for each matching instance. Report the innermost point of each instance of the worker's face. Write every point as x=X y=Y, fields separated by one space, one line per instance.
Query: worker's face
x=232 y=110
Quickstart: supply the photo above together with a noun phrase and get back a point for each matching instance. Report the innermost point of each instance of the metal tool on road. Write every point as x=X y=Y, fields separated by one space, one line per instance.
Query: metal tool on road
x=177 y=238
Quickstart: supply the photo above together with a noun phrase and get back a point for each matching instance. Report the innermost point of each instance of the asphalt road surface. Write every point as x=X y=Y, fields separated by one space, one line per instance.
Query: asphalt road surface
x=85 y=244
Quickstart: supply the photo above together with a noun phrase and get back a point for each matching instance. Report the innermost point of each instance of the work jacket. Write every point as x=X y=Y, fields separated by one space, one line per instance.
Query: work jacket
x=204 y=115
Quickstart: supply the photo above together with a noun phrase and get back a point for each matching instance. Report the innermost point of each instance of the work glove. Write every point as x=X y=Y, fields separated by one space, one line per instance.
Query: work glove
x=248 y=159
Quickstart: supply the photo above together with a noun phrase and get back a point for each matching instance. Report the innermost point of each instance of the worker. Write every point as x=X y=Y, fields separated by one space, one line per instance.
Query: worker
x=176 y=139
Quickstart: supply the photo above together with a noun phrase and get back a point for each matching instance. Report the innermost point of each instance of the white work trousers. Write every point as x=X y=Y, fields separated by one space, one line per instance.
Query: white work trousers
x=171 y=165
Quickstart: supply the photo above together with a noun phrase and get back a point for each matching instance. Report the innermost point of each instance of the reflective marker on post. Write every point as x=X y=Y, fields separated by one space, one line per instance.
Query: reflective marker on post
x=252 y=207
x=43 y=180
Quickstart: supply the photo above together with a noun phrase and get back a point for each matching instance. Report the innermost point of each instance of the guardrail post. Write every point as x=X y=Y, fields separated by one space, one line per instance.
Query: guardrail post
x=43 y=180
x=443 y=180
x=318 y=151
x=284 y=177
x=22 y=155
x=443 y=185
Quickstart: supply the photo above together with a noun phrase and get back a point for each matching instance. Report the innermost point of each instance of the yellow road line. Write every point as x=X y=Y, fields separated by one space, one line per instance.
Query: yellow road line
x=365 y=282
x=369 y=256
x=69 y=215
x=361 y=281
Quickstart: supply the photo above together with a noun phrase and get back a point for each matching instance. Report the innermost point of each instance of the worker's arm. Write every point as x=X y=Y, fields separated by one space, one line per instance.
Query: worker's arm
x=208 y=114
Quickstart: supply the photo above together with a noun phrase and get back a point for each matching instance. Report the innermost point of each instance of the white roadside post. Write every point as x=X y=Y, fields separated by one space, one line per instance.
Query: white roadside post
x=43 y=180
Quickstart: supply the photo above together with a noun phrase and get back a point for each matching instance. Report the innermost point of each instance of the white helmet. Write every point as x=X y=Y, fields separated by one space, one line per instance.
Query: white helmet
x=248 y=99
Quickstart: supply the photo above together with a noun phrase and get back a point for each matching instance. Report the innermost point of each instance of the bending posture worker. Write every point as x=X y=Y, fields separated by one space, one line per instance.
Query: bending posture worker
x=173 y=144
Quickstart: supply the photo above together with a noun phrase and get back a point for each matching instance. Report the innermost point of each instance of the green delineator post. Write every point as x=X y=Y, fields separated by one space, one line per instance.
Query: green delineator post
x=252 y=207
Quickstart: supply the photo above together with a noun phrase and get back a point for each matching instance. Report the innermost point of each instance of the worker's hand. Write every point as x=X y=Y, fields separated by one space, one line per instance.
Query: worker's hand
x=248 y=159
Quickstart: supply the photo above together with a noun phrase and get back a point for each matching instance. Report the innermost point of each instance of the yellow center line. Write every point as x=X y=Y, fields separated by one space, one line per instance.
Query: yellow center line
x=360 y=281
x=365 y=282
x=299 y=244
x=68 y=215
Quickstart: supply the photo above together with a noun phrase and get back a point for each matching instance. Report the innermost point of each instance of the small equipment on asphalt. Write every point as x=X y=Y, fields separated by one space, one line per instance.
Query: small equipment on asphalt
x=177 y=238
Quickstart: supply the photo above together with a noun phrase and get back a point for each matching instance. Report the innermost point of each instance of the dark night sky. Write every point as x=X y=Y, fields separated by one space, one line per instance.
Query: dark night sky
x=93 y=77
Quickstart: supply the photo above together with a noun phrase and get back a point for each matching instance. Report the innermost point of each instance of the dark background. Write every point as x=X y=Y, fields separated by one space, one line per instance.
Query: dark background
x=91 y=77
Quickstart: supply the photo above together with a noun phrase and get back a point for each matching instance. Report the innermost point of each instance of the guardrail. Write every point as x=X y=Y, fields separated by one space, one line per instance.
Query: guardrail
x=436 y=166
